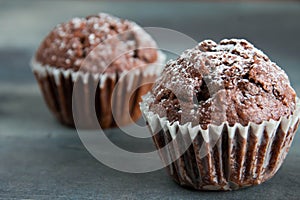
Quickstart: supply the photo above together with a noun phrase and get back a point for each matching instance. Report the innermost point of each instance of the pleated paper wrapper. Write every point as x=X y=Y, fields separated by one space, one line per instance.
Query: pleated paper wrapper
x=222 y=157
x=57 y=88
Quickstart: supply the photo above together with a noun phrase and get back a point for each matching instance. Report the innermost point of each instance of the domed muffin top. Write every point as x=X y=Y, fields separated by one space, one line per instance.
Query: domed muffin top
x=96 y=44
x=227 y=82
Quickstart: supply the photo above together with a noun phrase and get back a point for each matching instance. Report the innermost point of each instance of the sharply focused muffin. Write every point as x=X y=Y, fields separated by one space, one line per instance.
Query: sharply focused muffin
x=229 y=111
x=97 y=49
x=231 y=81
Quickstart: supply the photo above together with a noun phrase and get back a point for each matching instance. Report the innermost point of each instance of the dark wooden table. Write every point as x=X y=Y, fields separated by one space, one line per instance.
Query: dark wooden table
x=40 y=159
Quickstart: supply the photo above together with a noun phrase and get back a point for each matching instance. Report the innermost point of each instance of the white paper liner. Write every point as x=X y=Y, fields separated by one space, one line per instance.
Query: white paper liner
x=57 y=87
x=254 y=153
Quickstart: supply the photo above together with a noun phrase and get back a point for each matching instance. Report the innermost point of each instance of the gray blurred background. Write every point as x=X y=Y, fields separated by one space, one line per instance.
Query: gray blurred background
x=40 y=159
x=273 y=27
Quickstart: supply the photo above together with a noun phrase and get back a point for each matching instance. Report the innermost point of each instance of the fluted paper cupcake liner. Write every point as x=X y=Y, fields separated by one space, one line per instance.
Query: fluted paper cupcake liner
x=57 y=88
x=222 y=157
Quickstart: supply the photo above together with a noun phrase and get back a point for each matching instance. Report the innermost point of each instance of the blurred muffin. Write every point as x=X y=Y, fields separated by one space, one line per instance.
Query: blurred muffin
x=102 y=52
x=224 y=113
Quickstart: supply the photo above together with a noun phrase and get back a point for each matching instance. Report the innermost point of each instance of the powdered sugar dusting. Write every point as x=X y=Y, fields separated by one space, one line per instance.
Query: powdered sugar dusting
x=76 y=22
x=71 y=42
x=215 y=63
x=211 y=81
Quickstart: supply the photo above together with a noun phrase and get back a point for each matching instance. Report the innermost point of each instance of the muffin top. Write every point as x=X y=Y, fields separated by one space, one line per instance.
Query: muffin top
x=230 y=82
x=96 y=44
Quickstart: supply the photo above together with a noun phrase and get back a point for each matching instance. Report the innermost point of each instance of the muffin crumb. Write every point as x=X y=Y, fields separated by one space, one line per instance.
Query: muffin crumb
x=112 y=41
x=231 y=81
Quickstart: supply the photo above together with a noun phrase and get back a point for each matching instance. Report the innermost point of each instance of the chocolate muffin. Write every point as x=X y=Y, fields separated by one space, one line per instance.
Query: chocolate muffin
x=224 y=113
x=115 y=54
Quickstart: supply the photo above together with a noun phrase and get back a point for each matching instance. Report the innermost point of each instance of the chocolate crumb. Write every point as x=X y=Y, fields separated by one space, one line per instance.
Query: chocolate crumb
x=96 y=44
x=231 y=81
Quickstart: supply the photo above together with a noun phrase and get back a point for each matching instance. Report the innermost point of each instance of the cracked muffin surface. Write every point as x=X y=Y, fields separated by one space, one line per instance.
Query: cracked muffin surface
x=99 y=43
x=231 y=81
